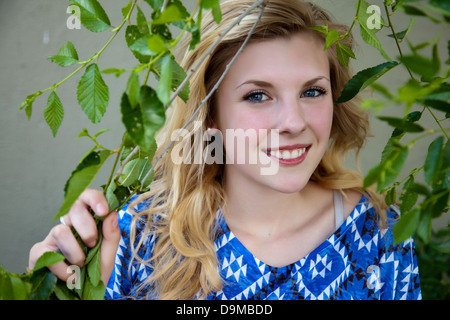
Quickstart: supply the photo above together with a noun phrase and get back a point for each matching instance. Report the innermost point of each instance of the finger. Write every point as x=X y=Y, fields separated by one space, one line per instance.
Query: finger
x=111 y=238
x=60 y=269
x=82 y=220
x=62 y=237
x=96 y=200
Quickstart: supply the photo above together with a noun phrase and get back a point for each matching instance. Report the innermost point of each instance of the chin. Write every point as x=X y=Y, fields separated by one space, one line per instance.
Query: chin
x=289 y=186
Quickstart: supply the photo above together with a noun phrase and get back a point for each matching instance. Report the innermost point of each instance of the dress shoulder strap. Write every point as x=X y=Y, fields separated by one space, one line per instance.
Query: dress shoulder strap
x=338 y=208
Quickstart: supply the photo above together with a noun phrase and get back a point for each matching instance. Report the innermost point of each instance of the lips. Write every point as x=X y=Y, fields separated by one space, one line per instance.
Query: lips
x=290 y=155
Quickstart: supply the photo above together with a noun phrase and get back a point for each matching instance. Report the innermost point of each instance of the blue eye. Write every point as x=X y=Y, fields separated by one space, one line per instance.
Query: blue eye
x=313 y=93
x=256 y=97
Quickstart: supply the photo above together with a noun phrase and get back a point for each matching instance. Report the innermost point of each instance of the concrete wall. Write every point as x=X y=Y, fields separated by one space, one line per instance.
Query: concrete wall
x=34 y=166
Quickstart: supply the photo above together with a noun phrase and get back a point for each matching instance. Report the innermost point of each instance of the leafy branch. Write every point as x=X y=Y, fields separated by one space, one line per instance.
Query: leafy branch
x=431 y=93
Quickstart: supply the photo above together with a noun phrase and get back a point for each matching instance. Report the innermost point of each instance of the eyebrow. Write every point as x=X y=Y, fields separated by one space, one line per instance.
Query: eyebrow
x=265 y=84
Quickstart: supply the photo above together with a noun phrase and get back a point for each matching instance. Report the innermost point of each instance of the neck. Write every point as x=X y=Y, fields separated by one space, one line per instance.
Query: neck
x=266 y=212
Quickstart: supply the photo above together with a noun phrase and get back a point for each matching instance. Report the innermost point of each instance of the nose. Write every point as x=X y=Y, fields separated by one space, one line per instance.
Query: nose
x=291 y=116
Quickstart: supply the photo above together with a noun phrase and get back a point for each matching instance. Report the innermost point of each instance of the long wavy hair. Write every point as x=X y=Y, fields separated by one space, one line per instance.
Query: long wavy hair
x=185 y=196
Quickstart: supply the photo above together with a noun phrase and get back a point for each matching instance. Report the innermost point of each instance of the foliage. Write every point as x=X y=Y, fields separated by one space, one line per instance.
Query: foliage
x=150 y=40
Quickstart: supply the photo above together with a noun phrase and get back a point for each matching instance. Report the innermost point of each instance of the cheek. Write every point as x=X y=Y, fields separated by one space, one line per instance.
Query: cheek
x=321 y=120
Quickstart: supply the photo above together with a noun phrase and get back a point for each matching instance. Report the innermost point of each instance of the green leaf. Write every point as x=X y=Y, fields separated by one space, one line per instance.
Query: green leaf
x=391 y=195
x=155 y=4
x=117 y=72
x=156 y=44
x=66 y=56
x=363 y=79
x=13 y=286
x=63 y=293
x=171 y=14
x=145 y=120
x=92 y=292
x=178 y=75
x=135 y=170
x=408 y=198
x=420 y=65
x=81 y=178
x=332 y=37
x=93 y=93
x=130 y=173
x=214 y=5
x=344 y=52
x=154 y=113
x=111 y=197
x=412 y=92
x=93 y=16
x=44 y=282
x=165 y=81
x=47 y=259
x=388 y=169
x=126 y=8
x=402 y=34
x=141 y=22
x=132 y=34
x=414 y=11
x=94 y=269
x=28 y=103
x=369 y=35
x=20 y=289
x=406 y=226
x=133 y=88
x=434 y=160
x=322 y=29
x=54 y=112
x=438 y=105
x=402 y=124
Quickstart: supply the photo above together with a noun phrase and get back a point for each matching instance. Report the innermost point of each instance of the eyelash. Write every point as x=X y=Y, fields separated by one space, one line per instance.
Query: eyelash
x=322 y=91
x=251 y=94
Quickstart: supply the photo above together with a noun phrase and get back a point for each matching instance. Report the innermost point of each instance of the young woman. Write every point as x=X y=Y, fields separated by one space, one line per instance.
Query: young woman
x=224 y=230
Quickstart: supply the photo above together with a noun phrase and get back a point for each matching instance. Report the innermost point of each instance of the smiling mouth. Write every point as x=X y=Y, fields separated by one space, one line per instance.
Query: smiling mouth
x=289 y=154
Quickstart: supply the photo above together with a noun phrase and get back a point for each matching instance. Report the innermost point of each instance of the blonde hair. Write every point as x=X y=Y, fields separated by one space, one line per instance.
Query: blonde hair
x=185 y=197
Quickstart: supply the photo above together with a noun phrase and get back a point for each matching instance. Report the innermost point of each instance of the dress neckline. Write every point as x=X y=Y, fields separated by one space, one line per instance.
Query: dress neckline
x=239 y=247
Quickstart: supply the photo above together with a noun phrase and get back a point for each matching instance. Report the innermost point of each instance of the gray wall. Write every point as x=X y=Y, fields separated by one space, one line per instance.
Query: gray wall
x=34 y=166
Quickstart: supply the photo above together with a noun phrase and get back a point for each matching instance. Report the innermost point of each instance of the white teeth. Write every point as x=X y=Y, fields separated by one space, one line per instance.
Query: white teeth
x=287 y=154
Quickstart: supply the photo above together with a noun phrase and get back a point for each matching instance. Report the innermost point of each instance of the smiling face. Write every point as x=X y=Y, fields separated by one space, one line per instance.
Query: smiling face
x=280 y=85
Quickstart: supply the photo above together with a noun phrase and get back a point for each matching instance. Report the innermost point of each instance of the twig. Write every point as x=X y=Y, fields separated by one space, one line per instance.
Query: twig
x=227 y=69
x=127 y=159
x=397 y=42
x=164 y=6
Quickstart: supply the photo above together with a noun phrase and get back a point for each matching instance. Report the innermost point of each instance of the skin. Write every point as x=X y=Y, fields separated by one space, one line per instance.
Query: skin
x=280 y=84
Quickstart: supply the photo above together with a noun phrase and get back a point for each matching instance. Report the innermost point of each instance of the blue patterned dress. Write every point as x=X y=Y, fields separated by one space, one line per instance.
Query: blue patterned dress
x=359 y=261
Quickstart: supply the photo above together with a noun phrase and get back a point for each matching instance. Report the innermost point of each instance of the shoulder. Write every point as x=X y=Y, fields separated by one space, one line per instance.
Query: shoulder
x=351 y=198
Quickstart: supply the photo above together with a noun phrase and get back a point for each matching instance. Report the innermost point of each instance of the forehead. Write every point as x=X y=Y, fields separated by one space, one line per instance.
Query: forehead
x=298 y=57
